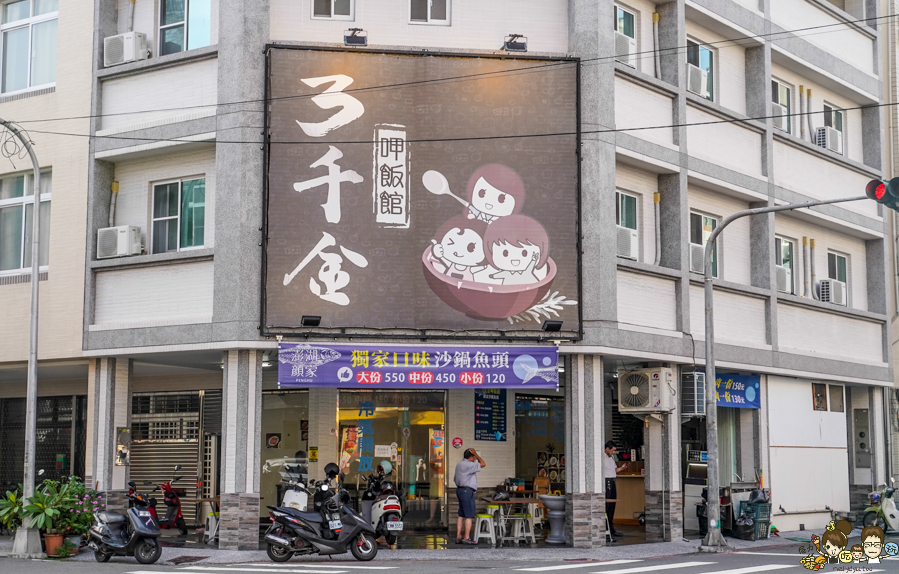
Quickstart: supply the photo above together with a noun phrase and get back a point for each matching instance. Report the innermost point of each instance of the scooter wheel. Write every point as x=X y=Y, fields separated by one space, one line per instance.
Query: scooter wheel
x=148 y=551
x=873 y=519
x=364 y=547
x=278 y=553
x=100 y=557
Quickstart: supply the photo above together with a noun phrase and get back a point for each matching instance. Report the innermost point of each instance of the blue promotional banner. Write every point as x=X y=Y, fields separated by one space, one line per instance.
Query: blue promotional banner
x=416 y=366
x=738 y=391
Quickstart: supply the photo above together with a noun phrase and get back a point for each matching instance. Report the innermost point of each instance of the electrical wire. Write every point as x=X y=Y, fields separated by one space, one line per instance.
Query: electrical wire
x=645 y=54
x=186 y=138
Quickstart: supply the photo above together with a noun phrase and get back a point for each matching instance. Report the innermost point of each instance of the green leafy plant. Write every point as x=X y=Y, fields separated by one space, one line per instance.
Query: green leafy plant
x=42 y=509
x=12 y=509
x=65 y=550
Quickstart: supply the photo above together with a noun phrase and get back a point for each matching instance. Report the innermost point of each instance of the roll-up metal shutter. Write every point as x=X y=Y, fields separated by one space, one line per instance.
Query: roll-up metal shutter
x=155 y=461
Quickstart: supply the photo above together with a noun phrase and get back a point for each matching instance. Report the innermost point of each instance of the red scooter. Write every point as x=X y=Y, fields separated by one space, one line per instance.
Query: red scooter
x=172 y=498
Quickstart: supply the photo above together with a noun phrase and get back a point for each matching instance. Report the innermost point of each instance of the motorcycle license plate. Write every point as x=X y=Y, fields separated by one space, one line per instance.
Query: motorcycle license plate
x=335 y=524
x=143 y=513
x=394 y=525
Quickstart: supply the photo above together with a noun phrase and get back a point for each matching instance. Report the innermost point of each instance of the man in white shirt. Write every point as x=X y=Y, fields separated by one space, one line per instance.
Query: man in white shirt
x=466 y=481
x=610 y=470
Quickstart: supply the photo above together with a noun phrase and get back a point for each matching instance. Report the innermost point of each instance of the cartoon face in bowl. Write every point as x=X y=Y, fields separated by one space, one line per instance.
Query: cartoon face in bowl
x=492 y=262
x=494 y=190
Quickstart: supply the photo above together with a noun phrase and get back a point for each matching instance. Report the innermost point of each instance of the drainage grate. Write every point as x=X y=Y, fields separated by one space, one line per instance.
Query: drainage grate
x=187 y=559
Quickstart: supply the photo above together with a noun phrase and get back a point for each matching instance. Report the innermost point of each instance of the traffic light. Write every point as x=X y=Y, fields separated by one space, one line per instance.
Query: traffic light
x=884 y=192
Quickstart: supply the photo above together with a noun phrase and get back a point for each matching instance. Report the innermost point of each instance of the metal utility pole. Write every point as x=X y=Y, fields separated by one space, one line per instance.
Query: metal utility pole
x=28 y=540
x=714 y=541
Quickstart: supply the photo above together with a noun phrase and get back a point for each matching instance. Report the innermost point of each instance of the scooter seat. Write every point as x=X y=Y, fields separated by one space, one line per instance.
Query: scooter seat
x=307 y=516
x=111 y=517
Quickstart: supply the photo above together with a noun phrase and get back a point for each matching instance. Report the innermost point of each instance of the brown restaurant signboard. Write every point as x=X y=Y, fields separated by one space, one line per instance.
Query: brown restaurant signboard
x=422 y=192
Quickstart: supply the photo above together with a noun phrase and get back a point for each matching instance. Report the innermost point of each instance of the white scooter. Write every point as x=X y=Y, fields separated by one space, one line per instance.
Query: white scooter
x=380 y=504
x=295 y=495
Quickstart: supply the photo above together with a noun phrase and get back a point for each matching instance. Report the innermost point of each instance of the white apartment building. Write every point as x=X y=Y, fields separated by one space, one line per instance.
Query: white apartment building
x=45 y=88
x=680 y=125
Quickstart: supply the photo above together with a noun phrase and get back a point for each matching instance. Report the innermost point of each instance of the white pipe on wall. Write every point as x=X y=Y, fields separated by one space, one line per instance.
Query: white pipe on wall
x=802 y=111
x=655 y=36
x=808 y=109
x=814 y=284
x=805 y=269
x=657 y=199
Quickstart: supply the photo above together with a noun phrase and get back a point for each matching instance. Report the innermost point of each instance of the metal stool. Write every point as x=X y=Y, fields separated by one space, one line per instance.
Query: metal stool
x=489 y=533
x=524 y=527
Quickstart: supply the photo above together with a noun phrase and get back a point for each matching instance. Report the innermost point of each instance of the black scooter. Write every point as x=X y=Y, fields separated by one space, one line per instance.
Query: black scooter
x=132 y=534
x=333 y=528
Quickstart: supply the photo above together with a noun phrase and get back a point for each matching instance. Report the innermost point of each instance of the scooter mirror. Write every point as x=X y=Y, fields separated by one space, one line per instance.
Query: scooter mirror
x=147 y=483
x=40 y=472
x=131 y=484
x=177 y=467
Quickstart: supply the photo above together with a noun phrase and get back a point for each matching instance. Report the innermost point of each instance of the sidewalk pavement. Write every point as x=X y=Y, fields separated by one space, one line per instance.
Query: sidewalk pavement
x=212 y=555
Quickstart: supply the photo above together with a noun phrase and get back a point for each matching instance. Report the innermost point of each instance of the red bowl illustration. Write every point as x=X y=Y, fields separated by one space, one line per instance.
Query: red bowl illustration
x=485 y=300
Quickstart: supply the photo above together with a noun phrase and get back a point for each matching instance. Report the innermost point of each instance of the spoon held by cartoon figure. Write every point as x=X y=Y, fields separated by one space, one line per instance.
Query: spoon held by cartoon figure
x=436 y=183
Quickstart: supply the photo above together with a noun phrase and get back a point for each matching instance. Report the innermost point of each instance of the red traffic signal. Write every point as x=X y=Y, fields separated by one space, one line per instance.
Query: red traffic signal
x=876 y=190
x=884 y=192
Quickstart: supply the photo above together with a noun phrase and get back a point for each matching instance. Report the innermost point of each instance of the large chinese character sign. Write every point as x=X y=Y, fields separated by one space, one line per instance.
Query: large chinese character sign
x=421 y=192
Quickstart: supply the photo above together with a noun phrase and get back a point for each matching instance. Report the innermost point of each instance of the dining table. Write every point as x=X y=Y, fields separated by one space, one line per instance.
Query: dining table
x=503 y=516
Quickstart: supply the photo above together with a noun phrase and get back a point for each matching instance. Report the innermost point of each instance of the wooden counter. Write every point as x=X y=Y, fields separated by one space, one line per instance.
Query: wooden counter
x=631 y=497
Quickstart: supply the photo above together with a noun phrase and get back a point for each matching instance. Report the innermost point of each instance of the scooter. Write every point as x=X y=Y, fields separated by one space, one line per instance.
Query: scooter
x=334 y=528
x=885 y=515
x=295 y=495
x=381 y=505
x=132 y=534
x=172 y=499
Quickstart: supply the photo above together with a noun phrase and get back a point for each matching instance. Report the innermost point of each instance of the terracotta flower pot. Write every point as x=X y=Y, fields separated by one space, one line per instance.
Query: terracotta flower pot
x=52 y=542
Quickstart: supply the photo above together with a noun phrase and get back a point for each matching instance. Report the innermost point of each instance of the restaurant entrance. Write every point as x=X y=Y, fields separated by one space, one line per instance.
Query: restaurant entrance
x=406 y=429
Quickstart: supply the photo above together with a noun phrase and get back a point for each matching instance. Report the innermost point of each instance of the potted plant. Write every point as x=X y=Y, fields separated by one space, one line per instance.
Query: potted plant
x=43 y=510
x=77 y=511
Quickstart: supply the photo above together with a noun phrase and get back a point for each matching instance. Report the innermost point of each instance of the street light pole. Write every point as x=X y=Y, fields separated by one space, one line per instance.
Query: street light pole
x=714 y=541
x=28 y=541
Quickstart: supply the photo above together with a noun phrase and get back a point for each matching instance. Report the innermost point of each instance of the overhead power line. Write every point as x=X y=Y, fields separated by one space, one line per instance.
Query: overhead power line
x=645 y=54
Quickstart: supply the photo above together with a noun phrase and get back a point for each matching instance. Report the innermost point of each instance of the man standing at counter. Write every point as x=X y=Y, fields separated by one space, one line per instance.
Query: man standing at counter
x=610 y=471
x=466 y=480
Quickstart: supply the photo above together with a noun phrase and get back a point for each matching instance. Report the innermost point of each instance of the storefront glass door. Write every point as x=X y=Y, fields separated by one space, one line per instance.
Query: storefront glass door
x=285 y=439
x=540 y=439
x=405 y=428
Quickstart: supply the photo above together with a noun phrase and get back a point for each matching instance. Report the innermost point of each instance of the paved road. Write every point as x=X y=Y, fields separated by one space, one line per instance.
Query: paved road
x=776 y=559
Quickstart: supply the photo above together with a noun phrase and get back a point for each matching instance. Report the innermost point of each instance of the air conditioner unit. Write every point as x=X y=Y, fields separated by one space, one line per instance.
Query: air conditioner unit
x=697 y=81
x=626 y=49
x=697 y=258
x=118 y=241
x=833 y=291
x=646 y=390
x=628 y=243
x=124 y=48
x=830 y=139
x=692 y=394
x=779 y=116
x=784 y=277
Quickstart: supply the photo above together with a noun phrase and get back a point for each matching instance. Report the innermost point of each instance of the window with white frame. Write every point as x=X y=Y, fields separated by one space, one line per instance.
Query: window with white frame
x=184 y=25
x=781 y=95
x=333 y=9
x=701 y=228
x=16 y=221
x=784 y=259
x=429 y=11
x=179 y=215
x=703 y=58
x=626 y=210
x=833 y=118
x=836 y=267
x=28 y=51
x=625 y=22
